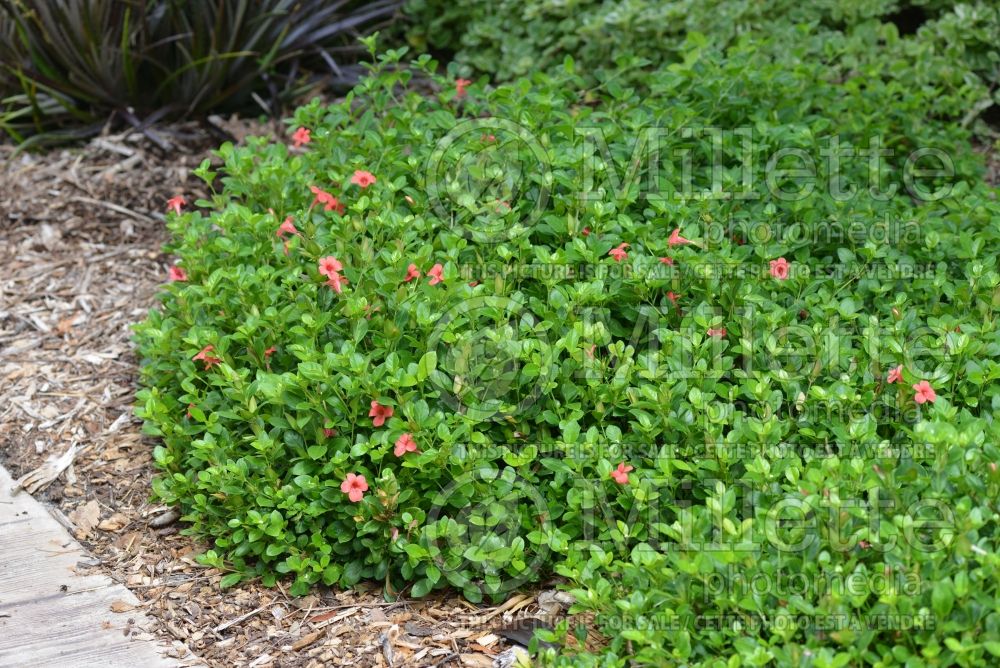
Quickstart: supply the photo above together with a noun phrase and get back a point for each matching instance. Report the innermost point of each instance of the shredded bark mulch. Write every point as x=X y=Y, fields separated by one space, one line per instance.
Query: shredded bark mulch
x=991 y=157
x=80 y=238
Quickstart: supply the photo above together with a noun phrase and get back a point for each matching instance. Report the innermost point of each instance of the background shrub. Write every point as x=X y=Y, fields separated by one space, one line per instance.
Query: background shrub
x=953 y=47
x=523 y=387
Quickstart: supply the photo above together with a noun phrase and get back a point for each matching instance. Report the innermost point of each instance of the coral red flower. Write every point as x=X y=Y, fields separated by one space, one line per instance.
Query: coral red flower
x=924 y=392
x=301 y=137
x=585 y=232
x=177 y=273
x=473 y=284
x=362 y=178
x=672 y=296
x=329 y=202
x=205 y=357
x=329 y=433
x=895 y=375
x=676 y=238
x=404 y=444
x=329 y=265
x=620 y=474
x=379 y=413
x=779 y=268
x=489 y=139
x=667 y=260
x=619 y=253
x=287 y=227
x=716 y=332
x=270 y=351
x=337 y=282
x=412 y=272
x=436 y=274
x=175 y=203
x=354 y=486
x=460 y=86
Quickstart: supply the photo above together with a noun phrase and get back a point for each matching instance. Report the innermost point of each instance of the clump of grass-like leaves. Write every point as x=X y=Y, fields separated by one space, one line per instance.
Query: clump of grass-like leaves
x=66 y=67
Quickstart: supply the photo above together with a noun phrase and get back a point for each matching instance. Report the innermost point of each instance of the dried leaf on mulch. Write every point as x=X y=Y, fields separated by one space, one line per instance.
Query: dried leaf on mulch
x=85 y=518
x=41 y=477
x=121 y=606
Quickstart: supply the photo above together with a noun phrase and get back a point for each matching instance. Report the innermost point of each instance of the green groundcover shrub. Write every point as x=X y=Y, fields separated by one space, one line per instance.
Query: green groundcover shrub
x=738 y=328
x=515 y=37
x=955 y=44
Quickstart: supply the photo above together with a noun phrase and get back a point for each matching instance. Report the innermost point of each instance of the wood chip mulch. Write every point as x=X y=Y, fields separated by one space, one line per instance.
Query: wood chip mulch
x=80 y=238
x=991 y=159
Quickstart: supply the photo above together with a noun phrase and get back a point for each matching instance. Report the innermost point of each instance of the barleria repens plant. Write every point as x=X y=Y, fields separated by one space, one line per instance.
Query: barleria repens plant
x=945 y=47
x=660 y=344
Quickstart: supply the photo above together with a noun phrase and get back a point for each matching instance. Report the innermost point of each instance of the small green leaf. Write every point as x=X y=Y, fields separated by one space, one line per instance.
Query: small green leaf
x=230 y=580
x=942 y=598
x=421 y=588
x=426 y=366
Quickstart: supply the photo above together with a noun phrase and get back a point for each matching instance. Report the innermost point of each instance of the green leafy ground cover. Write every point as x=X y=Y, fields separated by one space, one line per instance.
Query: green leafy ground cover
x=715 y=341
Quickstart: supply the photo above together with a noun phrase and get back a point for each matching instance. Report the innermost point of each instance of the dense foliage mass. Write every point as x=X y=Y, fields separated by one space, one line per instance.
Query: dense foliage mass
x=707 y=326
x=66 y=67
x=935 y=45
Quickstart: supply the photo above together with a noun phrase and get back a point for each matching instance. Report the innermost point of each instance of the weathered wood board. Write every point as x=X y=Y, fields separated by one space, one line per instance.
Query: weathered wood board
x=53 y=613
